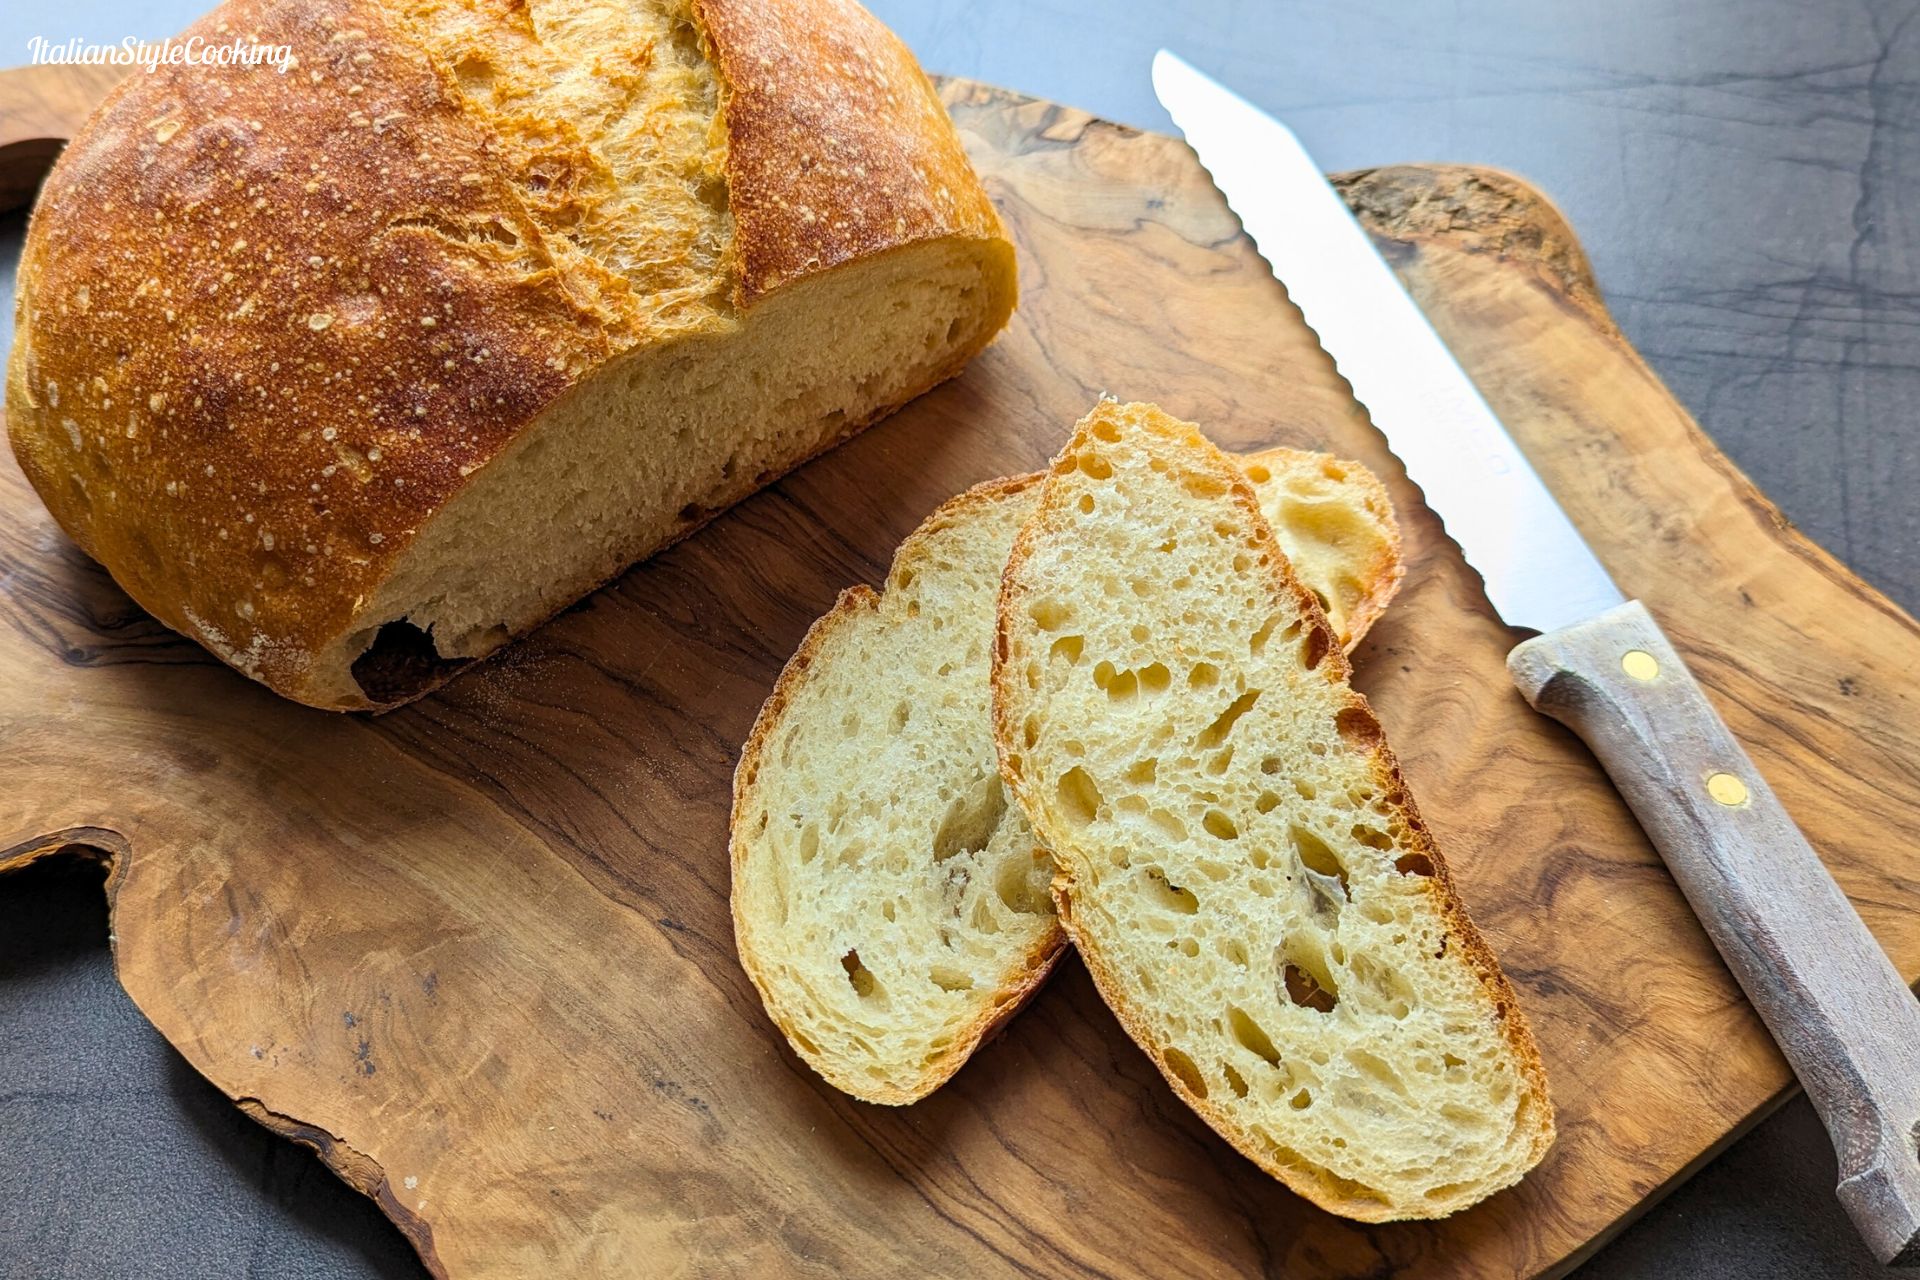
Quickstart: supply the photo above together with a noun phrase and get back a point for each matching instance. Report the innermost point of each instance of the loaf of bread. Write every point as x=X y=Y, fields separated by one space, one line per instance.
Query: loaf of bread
x=1237 y=858
x=889 y=904
x=354 y=373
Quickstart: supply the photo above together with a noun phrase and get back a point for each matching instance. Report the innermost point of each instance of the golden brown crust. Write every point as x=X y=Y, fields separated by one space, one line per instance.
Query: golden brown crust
x=1385 y=571
x=827 y=168
x=1336 y=669
x=1026 y=978
x=269 y=325
x=241 y=379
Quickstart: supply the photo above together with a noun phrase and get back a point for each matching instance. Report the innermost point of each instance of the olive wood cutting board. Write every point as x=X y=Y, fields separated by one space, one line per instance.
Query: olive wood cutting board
x=477 y=953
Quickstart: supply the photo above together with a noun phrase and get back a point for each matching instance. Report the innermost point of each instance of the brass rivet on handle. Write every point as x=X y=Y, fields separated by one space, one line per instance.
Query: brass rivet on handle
x=1639 y=664
x=1727 y=789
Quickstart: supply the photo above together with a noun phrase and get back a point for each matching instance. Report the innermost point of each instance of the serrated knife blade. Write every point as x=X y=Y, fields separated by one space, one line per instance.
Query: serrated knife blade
x=1538 y=570
x=1838 y=1008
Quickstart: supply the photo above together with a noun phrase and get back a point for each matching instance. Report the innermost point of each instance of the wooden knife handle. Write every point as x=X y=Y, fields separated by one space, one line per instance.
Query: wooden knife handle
x=1839 y=1010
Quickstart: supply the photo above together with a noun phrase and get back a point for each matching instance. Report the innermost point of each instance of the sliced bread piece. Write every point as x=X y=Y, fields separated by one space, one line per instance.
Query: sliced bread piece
x=889 y=903
x=1237 y=857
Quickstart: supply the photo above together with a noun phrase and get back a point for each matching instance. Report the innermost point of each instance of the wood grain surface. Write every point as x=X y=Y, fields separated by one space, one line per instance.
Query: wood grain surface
x=40 y=107
x=477 y=954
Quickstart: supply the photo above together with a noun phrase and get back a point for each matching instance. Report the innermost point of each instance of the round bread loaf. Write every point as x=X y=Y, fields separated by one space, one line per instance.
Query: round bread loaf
x=355 y=372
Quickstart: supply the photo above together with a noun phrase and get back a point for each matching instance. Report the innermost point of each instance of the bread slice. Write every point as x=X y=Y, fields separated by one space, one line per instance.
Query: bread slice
x=355 y=374
x=889 y=903
x=1237 y=857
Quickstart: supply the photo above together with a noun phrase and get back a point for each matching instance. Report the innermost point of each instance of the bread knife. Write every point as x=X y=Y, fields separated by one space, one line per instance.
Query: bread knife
x=1847 y=1023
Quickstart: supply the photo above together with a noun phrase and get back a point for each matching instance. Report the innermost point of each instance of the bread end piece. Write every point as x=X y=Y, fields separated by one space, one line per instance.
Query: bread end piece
x=889 y=904
x=1245 y=874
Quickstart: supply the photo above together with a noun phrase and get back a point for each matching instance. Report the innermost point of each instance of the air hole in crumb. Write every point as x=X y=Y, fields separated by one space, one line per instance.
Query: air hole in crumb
x=1079 y=797
x=1235 y=1081
x=1301 y=1100
x=1104 y=430
x=1315 y=648
x=1358 y=727
x=809 y=845
x=1252 y=1036
x=1219 y=826
x=971 y=819
x=1068 y=647
x=1258 y=641
x=1316 y=857
x=1022 y=886
x=1305 y=990
x=1169 y=895
x=1155 y=678
x=1086 y=504
x=1204 y=485
x=1203 y=676
x=859 y=975
x=1048 y=615
x=1142 y=772
x=1216 y=733
x=1183 y=1070
x=1266 y=802
x=1413 y=864
x=950 y=979
x=1094 y=465
x=401 y=663
x=1372 y=837
x=1259 y=475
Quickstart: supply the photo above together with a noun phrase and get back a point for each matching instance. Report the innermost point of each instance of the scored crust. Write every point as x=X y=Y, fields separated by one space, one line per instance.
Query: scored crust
x=1205 y=457
x=839 y=145
x=340 y=271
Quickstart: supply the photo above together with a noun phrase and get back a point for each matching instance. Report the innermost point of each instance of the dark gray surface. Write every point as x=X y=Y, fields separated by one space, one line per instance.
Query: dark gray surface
x=1746 y=177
